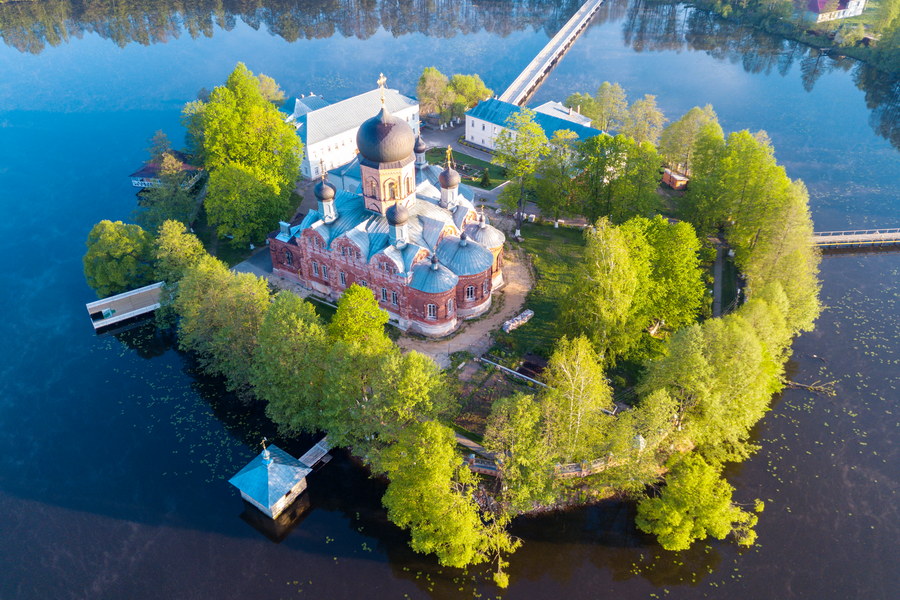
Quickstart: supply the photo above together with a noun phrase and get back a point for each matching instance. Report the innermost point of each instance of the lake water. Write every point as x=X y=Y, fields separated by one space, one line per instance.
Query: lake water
x=114 y=453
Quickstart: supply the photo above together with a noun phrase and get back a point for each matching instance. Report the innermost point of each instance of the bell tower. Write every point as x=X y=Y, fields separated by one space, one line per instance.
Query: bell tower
x=386 y=164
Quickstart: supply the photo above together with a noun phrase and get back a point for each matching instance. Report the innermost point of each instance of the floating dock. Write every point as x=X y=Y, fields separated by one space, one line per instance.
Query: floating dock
x=128 y=305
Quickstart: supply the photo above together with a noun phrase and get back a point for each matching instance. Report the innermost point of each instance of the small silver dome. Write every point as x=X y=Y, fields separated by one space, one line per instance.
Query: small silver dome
x=449 y=178
x=397 y=214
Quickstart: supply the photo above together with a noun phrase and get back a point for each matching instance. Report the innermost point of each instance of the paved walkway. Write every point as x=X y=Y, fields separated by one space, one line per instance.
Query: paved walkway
x=717 y=281
x=437 y=138
x=476 y=336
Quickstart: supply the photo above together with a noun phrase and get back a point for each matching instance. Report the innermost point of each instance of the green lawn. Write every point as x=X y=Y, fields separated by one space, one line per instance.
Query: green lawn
x=553 y=252
x=437 y=156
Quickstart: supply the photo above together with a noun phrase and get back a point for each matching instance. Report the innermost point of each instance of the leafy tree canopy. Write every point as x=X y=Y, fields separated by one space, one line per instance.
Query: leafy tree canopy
x=695 y=504
x=241 y=205
x=119 y=258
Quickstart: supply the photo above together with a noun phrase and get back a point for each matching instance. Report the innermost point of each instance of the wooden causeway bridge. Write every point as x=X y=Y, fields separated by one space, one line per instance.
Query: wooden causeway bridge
x=528 y=81
x=122 y=307
x=862 y=238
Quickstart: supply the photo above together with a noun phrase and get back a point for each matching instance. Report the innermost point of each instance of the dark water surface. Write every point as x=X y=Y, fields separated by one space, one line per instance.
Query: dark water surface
x=113 y=460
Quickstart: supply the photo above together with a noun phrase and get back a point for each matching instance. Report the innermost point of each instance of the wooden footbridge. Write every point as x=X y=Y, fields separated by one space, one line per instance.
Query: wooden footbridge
x=521 y=90
x=859 y=238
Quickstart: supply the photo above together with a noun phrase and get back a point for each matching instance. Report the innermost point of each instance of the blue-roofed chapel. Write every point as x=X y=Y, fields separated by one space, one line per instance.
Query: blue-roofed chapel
x=407 y=230
x=272 y=480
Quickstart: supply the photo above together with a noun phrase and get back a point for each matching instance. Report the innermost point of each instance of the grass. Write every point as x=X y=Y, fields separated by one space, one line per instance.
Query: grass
x=554 y=253
x=497 y=174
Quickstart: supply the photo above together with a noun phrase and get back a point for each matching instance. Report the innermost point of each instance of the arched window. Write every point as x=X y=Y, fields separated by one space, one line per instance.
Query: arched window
x=373 y=187
x=288 y=258
x=450 y=307
x=484 y=287
x=432 y=311
x=392 y=190
x=470 y=292
x=408 y=185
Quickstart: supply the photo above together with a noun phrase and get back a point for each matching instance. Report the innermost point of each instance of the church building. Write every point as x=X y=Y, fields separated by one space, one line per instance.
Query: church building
x=409 y=232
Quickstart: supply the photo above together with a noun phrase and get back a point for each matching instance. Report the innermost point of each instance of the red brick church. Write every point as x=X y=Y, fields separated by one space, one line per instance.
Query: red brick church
x=410 y=233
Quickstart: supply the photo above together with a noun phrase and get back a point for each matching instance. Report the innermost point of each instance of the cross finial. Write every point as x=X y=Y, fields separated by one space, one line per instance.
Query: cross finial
x=322 y=168
x=266 y=454
x=381 y=81
x=449 y=156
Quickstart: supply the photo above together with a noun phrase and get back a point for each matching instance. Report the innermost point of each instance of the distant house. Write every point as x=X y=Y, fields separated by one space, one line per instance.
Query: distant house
x=148 y=175
x=829 y=10
x=674 y=180
x=485 y=122
x=328 y=131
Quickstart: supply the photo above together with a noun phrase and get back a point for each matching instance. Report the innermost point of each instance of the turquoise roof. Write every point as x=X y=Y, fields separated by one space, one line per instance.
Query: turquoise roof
x=464 y=257
x=433 y=278
x=266 y=481
x=497 y=112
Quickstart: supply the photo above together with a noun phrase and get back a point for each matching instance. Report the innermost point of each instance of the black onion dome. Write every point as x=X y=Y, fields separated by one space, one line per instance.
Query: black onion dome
x=449 y=178
x=397 y=214
x=385 y=138
x=324 y=191
x=420 y=145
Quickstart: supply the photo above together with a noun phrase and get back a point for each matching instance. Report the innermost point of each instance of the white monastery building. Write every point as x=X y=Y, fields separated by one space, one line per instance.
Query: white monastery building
x=328 y=131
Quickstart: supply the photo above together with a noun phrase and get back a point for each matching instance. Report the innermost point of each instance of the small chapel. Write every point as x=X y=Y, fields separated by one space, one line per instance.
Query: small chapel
x=409 y=232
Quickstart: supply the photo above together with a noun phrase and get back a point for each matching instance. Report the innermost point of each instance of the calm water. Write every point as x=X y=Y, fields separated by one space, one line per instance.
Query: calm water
x=113 y=460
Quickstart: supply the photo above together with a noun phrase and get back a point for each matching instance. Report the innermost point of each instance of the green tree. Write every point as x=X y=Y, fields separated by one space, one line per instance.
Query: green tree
x=611 y=107
x=519 y=149
x=695 y=504
x=241 y=127
x=270 y=89
x=220 y=316
x=644 y=122
x=516 y=434
x=602 y=159
x=119 y=258
x=176 y=250
x=192 y=121
x=359 y=320
x=703 y=204
x=605 y=285
x=240 y=205
x=287 y=371
x=169 y=199
x=159 y=145
x=555 y=185
x=677 y=290
x=619 y=178
x=584 y=104
x=679 y=138
x=470 y=88
x=430 y=495
x=575 y=398
x=432 y=91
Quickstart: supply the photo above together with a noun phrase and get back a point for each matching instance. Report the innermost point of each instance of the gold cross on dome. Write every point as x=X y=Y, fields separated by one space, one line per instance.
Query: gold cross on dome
x=381 y=81
x=449 y=156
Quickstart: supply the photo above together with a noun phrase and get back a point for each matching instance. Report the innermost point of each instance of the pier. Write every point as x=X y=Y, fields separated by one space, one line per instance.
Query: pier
x=859 y=238
x=521 y=90
x=121 y=307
